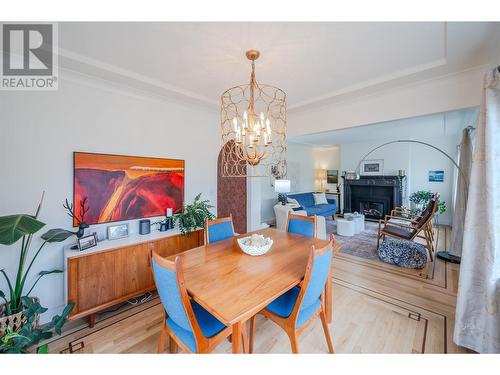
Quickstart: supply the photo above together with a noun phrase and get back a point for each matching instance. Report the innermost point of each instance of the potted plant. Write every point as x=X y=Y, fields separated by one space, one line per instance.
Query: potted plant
x=31 y=334
x=194 y=215
x=16 y=311
x=420 y=199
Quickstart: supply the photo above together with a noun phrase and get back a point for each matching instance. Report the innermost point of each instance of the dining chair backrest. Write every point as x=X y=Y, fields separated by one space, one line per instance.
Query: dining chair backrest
x=219 y=229
x=169 y=283
x=303 y=225
x=318 y=267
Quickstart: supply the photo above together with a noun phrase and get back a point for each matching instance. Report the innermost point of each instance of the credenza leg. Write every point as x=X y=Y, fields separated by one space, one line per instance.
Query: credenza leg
x=91 y=320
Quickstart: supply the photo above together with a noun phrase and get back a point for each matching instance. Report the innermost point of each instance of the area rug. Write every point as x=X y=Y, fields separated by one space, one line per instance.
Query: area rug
x=363 y=244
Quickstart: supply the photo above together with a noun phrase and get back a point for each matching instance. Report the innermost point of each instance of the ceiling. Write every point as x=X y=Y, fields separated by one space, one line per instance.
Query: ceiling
x=430 y=126
x=311 y=61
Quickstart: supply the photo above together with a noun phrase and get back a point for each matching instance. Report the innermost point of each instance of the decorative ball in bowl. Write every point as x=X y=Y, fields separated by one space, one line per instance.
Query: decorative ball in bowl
x=256 y=244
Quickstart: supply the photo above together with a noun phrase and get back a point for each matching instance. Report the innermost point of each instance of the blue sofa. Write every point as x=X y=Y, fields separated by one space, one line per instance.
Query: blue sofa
x=306 y=200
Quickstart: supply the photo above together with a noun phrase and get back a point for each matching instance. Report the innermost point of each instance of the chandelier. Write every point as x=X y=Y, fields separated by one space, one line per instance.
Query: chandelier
x=253 y=127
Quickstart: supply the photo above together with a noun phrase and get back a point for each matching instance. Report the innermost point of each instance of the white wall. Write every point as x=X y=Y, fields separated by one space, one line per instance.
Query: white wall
x=416 y=159
x=40 y=130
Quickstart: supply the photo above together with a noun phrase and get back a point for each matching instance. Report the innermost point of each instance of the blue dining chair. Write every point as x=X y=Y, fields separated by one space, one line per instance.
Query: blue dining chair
x=187 y=324
x=296 y=309
x=218 y=229
x=303 y=225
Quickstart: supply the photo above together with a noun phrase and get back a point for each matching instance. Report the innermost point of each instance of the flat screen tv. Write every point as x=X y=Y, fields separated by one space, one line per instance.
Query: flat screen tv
x=118 y=187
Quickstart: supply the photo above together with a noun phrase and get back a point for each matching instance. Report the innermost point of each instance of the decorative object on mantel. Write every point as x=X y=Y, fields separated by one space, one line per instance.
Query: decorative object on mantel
x=78 y=220
x=194 y=215
x=282 y=187
x=350 y=175
x=255 y=245
x=253 y=127
x=13 y=312
x=372 y=167
x=443 y=255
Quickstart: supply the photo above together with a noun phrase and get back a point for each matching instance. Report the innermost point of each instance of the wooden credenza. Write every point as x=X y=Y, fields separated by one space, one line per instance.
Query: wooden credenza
x=115 y=271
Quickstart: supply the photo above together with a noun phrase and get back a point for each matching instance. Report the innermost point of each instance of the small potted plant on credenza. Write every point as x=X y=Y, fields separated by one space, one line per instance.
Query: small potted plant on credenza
x=194 y=215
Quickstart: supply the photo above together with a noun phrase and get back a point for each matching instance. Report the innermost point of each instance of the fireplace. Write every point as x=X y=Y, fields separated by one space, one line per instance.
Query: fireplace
x=371 y=208
x=373 y=196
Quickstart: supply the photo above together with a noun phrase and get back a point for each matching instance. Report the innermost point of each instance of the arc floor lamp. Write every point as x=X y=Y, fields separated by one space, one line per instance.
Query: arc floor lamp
x=444 y=255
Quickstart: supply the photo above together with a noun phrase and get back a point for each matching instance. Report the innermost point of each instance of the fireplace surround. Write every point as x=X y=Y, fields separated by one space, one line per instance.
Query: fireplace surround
x=373 y=196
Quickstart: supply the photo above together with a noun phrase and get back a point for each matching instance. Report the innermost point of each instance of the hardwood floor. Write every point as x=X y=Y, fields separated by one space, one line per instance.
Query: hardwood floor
x=377 y=308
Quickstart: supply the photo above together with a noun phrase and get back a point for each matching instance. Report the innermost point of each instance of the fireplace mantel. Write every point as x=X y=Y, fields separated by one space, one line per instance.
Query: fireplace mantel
x=383 y=191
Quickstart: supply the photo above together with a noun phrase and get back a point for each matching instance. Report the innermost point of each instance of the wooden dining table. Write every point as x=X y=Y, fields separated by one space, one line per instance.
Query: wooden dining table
x=234 y=286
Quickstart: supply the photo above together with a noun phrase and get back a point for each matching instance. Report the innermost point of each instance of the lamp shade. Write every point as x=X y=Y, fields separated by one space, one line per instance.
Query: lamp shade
x=282 y=186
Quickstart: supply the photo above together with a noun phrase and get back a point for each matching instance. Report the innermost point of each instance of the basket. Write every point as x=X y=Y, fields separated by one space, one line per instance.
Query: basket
x=254 y=250
x=15 y=321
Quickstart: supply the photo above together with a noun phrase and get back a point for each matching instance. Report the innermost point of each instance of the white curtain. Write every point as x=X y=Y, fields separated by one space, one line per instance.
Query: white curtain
x=477 y=324
x=465 y=162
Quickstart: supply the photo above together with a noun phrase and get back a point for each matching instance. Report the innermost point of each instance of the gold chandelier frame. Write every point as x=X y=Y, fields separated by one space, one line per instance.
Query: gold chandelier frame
x=260 y=104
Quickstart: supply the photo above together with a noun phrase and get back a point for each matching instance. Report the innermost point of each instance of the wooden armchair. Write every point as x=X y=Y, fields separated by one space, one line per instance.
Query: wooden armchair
x=399 y=214
x=404 y=228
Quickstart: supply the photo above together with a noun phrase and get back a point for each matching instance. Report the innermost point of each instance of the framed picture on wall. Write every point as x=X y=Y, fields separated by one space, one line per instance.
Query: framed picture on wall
x=372 y=167
x=332 y=176
x=436 y=176
x=121 y=187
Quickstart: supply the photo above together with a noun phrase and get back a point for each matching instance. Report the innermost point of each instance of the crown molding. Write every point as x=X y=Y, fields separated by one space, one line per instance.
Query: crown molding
x=370 y=83
x=71 y=61
x=434 y=95
x=99 y=83
x=453 y=76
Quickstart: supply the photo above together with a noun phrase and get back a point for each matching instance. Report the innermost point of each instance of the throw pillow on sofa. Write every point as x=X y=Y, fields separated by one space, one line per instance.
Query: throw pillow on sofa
x=320 y=198
x=293 y=202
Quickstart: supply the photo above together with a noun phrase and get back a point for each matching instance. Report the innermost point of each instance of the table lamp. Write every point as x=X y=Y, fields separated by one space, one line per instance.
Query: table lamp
x=282 y=187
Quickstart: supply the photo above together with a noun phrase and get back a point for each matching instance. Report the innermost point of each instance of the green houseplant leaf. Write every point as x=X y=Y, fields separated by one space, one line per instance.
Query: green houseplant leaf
x=29 y=335
x=57 y=235
x=194 y=215
x=13 y=227
x=23 y=226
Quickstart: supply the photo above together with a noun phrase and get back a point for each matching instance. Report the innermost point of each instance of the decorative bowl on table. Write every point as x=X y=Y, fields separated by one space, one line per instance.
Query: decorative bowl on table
x=255 y=245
